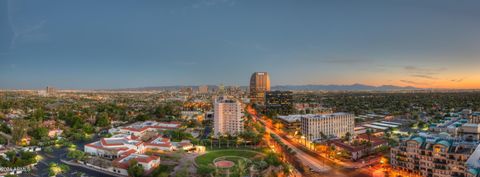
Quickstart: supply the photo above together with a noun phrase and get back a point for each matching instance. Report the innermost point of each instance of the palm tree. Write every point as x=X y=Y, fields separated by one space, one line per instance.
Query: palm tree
x=219 y=139
x=211 y=142
x=369 y=133
x=348 y=135
x=310 y=138
x=237 y=141
x=324 y=137
x=241 y=167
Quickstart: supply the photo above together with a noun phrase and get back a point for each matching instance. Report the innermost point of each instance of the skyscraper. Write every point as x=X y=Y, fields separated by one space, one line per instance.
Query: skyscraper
x=259 y=84
x=50 y=91
x=227 y=116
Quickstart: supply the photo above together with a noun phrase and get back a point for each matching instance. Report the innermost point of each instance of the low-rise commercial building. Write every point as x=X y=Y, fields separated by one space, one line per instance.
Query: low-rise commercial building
x=291 y=123
x=141 y=128
x=357 y=151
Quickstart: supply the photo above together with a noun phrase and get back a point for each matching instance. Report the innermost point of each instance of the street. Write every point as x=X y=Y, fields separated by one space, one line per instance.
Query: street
x=319 y=165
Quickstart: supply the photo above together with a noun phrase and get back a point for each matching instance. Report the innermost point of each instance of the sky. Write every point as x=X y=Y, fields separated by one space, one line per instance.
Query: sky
x=92 y=44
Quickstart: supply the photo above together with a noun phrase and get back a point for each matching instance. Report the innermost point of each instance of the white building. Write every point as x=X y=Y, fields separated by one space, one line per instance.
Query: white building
x=148 y=162
x=140 y=128
x=228 y=116
x=115 y=146
x=335 y=124
x=159 y=143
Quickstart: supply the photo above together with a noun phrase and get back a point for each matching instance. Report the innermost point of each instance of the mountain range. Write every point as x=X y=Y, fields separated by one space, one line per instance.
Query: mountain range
x=353 y=87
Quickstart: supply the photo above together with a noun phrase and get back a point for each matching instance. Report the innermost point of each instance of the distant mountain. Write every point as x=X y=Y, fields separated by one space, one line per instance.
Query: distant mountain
x=354 y=87
x=156 y=88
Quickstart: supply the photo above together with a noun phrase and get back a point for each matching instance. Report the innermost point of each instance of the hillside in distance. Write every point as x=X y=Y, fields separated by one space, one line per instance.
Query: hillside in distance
x=353 y=87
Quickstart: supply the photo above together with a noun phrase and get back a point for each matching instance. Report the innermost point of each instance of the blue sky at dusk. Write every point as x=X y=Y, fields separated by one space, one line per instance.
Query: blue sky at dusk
x=126 y=43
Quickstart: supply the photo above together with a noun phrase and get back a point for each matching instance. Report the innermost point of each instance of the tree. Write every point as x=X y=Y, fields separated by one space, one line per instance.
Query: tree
x=369 y=133
x=48 y=149
x=5 y=129
x=134 y=169
x=142 y=117
x=161 y=171
x=272 y=159
x=39 y=133
x=241 y=167
x=103 y=120
x=324 y=137
x=55 y=169
x=348 y=136
x=76 y=154
x=19 y=129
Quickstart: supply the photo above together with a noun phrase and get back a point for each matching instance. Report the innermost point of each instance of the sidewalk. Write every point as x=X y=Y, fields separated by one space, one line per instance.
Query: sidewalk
x=91 y=168
x=355 y=165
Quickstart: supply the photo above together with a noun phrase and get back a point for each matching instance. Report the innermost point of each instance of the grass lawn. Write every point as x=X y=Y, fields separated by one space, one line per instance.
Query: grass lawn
x=208 y=158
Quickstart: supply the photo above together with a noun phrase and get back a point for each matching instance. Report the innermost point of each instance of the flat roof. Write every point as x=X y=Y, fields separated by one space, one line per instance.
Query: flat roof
x=385 y=125
x=290 y=118
x=375 y=127
x=394 y=123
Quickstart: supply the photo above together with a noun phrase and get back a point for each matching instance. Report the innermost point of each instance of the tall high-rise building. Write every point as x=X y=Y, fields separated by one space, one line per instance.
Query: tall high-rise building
x=259 y=84
x=50 y=91
x=228 y=116
x=203 y=89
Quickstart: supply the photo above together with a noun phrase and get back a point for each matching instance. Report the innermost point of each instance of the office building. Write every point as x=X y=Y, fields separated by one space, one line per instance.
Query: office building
x=279 y=102
x=50 y=91
x=333 y=125
x=259 y=84
x=228 y=116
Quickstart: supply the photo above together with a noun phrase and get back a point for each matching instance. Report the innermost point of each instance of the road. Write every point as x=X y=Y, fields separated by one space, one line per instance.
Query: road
x=320 y=165
x=59 y=154
x=312 y=162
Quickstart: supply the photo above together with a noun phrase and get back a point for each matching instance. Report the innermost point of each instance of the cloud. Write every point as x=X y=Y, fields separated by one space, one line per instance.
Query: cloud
x=29 y=30
x=424 y=76
x=413 y=82
x=340 y=60
x=458 y=80
x=424 y=70
x=424 y=73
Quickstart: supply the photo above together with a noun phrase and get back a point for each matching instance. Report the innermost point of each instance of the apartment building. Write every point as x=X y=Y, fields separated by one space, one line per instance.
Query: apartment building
x=228 y=116
x=432 y=156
